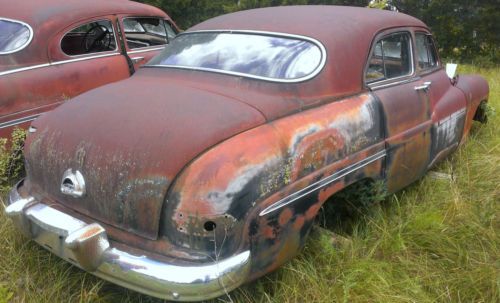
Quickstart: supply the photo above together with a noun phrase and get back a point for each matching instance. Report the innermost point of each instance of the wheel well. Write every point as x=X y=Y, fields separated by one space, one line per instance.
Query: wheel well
x=481 y=114
x=350 y=203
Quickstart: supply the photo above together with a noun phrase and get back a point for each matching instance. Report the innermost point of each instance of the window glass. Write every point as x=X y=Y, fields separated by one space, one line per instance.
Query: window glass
x=145 y=32
x=250 y=54
x=93 y=37
x=426 y=52
x=391 y=58
x=13 y=36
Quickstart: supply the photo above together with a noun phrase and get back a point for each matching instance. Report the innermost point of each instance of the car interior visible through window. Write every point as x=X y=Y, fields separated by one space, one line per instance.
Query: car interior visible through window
x=146 y=32
x=92 y=37
x=426 y=51
x=391 y=58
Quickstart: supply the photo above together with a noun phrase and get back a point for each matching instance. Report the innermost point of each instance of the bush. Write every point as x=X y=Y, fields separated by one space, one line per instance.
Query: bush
x=11 y=159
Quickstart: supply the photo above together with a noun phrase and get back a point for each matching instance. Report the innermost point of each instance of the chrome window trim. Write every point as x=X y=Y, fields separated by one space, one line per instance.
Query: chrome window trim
x=313 y=74
x=390 y=81
x=23 y=69
x=81 y=24
x=18 y=121
x=377 y=85
x=322 y=183
x=26 y=43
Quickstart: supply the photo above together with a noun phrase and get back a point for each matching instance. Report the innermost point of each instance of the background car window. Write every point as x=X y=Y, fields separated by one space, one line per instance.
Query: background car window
x=13 y=36
x=426 y=52
x=92 y=37
x=145 y=32
x=391 y=58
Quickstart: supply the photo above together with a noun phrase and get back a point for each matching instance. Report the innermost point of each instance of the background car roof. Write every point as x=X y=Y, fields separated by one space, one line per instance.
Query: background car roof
x=61 y=13
x=48 y=17
x=346 y=32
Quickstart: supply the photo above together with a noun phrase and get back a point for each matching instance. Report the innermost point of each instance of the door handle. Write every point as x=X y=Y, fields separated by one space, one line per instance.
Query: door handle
x=137 y=59
x=424 y=87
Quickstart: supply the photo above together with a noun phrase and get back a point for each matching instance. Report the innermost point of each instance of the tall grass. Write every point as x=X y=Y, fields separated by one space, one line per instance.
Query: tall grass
x=436 y=241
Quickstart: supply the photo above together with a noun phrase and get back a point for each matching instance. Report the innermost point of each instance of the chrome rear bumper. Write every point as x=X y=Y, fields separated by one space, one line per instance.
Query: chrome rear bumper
x=87 y=246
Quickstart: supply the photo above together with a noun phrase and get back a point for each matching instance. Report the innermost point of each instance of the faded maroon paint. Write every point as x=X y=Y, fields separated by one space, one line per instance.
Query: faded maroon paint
x=28 y=93
x=151 y=138
x=169 y=152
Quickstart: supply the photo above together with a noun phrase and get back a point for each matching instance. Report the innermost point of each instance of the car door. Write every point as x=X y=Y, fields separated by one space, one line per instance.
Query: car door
x=390 y=75
x=145 y=37
x=448 y=104
x=84 y=56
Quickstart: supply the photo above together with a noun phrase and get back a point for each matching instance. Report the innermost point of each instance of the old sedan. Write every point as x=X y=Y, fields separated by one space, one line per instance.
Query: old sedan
x=206 y=169
x=53 y=50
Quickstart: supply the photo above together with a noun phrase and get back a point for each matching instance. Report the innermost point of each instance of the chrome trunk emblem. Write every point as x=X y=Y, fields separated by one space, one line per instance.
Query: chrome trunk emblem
x=73 y=184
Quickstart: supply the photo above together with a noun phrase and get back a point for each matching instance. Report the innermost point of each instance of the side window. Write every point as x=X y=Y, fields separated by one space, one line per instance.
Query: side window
x=146 y=32
x=14 y=36
x=92 y=37
x=391 y=58
x=426 y=51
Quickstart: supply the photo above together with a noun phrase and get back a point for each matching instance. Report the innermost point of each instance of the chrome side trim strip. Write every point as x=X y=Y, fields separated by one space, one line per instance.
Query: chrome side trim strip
x=146 y=50
x=26 y=43
x=18 y=121
x=322 y=183
x=84 y=59
x=18 y=70
x=313 y=74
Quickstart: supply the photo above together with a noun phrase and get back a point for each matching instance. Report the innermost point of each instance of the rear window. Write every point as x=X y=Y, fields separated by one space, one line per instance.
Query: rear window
x=14 y=36
x=255 y=55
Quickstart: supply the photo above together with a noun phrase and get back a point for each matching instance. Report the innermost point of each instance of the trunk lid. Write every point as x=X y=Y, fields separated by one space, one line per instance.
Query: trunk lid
x=129 y=140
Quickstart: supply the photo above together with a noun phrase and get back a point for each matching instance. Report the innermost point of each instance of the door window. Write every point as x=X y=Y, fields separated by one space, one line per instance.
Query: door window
x=391 y=58
x=92 y=37
x=14 y=36
x=426 y=51
x=146 y=32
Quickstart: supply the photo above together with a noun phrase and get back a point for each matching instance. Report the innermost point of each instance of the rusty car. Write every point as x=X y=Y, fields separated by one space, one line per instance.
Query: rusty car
x=207 y=168
x=54 y=50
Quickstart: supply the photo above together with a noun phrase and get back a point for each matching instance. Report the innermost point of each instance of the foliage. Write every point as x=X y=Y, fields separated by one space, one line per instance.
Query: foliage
x=11 y=159
x=380 y=4
x=466 y=30
x=436 y=241
x=5 y=294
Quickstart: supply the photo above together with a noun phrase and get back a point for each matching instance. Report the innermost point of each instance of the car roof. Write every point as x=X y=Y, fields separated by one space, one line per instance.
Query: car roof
x=346 y=32
x=317 y=21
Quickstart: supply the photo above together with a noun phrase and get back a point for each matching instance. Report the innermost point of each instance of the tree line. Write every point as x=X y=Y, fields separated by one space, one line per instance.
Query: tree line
x=465 y=30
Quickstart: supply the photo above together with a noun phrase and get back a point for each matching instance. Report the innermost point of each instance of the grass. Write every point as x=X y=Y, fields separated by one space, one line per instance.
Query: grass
x=436 y=241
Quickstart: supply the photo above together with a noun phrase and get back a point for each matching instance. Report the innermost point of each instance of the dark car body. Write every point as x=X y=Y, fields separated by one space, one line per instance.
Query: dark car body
x=204 y=170
x=52 y=63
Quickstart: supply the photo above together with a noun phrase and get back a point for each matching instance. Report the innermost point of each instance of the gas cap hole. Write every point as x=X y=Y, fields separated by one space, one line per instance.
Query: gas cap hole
x=209 y=225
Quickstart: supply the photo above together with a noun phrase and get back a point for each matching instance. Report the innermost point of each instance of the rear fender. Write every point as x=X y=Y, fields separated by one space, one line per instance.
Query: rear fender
x=259 y=189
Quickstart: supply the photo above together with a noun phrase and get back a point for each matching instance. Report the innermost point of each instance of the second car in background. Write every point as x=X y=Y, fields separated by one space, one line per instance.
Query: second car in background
x=51 y=51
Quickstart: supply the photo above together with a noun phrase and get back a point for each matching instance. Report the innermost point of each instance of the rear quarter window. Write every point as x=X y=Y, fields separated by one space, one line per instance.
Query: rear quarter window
x=14 y=36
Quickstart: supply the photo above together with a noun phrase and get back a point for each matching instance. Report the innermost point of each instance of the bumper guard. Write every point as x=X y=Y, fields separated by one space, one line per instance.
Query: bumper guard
x=87 y=246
